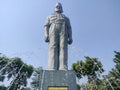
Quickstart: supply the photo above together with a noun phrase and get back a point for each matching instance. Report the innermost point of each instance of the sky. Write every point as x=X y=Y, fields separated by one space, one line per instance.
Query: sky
x=95 y=28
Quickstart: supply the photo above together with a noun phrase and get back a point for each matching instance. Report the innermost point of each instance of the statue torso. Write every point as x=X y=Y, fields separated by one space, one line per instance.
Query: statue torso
x=57 y=18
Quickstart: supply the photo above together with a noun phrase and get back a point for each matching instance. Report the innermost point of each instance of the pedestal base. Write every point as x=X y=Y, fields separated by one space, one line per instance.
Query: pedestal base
x=58 y=80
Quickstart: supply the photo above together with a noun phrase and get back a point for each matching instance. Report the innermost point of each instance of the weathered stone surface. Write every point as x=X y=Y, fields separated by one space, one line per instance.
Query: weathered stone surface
x=58 y=78
x=58 y=34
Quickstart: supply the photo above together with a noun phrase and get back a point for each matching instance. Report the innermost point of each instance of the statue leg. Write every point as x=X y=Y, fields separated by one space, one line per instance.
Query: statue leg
x=63 y=53
x=53 y=62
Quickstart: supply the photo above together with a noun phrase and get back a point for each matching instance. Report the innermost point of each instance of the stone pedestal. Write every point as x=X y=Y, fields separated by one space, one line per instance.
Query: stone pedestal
x=58 y=79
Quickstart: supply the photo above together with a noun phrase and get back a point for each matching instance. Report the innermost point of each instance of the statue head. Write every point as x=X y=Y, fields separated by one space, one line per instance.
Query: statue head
x=58 y=8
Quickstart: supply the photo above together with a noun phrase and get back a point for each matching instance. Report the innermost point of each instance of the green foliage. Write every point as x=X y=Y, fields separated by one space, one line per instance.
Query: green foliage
x=117 y=61
x=78 y=68
x=114 y=75
x=25 y=89
x=36 y=78
x=3 y=62
x=15 y=67
x=3 y=88
x=117 y=57
x=28 y=69
x=78 y=87
x=91 y=67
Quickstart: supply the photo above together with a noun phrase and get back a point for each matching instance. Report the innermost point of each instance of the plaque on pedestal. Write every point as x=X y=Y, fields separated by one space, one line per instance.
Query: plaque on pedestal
x=58 y=80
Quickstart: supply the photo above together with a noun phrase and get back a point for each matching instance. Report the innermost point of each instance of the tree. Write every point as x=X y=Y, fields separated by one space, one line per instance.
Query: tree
x=36 y=78
x=79 y=69
x=91 y=67
x=3 y=63
x=25 y=89
x=22 y=73
x=78 y=87
x=15 y=67
x=3 y=88
x=114 y=75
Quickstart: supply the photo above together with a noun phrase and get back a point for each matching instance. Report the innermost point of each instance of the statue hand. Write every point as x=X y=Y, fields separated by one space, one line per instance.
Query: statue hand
x=70 y=41
x=46 y=39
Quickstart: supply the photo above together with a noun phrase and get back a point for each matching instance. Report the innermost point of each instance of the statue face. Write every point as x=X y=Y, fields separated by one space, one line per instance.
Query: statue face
x=58 y=8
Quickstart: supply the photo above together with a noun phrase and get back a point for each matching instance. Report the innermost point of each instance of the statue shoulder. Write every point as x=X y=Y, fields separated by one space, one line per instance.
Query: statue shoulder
x=49 y=16
x=63 y=15
x=52 y=15
x=66 y=18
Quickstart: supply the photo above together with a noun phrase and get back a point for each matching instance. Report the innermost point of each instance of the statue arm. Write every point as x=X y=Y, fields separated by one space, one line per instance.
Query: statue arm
x=46 y=29
x=70 y=40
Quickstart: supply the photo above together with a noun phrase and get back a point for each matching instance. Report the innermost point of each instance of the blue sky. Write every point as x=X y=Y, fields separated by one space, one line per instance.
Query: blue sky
x=95 y=27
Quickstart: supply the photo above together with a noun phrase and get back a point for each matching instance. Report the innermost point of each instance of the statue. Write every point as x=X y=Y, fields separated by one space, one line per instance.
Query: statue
x=58 y=34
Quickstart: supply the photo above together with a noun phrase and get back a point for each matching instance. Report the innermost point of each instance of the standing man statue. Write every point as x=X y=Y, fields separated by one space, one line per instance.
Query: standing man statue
x=58 y=34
